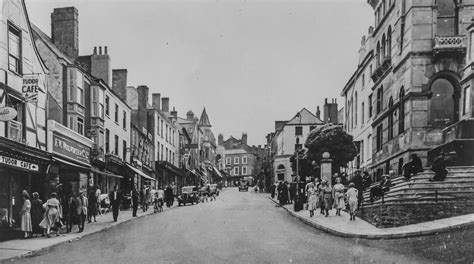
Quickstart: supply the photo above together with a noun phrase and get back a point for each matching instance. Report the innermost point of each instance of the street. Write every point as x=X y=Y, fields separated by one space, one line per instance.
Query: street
x=240 y=227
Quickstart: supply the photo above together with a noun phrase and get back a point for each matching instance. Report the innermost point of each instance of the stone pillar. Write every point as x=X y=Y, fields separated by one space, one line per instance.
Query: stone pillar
x=326 y=168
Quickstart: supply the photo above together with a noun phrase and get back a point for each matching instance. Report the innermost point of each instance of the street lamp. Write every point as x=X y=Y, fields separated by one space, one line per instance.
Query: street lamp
x=296 y=206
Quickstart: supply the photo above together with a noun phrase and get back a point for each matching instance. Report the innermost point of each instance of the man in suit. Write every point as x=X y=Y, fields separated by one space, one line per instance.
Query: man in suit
x=115 y=200
x=135 y=198
x=81 y=209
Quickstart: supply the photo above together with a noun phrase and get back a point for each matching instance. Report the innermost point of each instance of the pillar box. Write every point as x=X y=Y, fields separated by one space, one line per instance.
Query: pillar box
x=326 y=168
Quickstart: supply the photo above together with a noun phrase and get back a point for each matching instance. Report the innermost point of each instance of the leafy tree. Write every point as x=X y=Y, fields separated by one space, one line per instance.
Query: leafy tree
x=333 y=139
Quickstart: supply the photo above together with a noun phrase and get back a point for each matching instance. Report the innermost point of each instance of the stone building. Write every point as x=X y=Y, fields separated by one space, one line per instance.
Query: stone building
x=415 y=57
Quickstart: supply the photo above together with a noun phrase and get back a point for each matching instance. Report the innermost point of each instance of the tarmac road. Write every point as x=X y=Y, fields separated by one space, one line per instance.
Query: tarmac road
x=240 y=227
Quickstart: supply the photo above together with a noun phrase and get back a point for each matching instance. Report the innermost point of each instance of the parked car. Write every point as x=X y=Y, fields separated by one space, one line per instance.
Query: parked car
x=188 y=195
x=243 y=186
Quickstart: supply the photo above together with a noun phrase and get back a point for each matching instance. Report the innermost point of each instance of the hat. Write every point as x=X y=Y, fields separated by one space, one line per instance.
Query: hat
x=385 y=176
x=351 y=184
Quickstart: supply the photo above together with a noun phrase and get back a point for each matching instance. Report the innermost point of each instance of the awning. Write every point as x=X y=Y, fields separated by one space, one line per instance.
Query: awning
x=194 y=173
x=217 y=172
x=106 y=173
x=139 y=172
x=72 y=164
x=202 y=175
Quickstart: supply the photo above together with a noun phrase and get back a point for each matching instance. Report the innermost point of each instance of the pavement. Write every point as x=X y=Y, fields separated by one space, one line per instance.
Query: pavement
x=21 y=248
x=239 y=227
x=342 y=226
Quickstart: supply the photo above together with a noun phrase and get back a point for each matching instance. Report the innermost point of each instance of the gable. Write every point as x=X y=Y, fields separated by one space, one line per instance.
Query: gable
x=306 y=117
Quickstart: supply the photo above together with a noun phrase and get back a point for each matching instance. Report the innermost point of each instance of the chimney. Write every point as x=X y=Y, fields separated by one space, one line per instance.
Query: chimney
x=330 y=111
x=244 y=138
x=65 y=30
x=105 y=50
x=142 y=106
x=95 y=51
x=165 y=104
x=190 y=115
x=318 y=112
x=119 y=83
x=100 y=66
x=156 y=101
x=220 y=139
x=174 y=113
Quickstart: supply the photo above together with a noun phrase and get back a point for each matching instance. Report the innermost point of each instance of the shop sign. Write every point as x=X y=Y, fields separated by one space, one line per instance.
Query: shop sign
x=30 y=88
x=70 y=148
x=7 y=113
x=19 y=163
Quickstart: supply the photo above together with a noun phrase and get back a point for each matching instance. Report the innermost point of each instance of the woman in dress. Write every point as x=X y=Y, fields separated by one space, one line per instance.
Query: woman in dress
x=312 y=199
x=25 y=214
x=37 y=211
x=338 y=196
x=327 y=196
x=352 y=196
x=52 y=217
x=92 y=207
x=320 y=189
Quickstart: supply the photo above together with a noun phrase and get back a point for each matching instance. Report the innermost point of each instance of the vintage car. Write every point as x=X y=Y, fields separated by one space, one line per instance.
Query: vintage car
x=243 y=186
x=188 y=195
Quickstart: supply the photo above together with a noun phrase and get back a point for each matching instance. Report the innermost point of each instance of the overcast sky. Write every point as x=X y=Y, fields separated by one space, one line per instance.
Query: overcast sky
x=248 y=62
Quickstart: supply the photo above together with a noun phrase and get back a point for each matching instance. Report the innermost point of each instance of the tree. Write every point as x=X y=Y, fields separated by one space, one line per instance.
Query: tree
x=331 y=138
x=304 y=165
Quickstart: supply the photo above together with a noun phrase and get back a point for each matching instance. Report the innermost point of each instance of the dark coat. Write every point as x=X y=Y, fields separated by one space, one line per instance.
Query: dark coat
x=113 y=201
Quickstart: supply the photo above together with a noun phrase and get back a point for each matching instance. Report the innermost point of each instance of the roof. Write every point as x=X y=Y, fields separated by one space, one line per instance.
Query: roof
x=204 y=120
x=47 y=40
x=304 y=117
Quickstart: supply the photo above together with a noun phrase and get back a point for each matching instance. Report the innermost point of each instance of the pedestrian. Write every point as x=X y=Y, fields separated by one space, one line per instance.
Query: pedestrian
x=37 y=212
x=148 y=197
x=338 y=196
x=160 y=195
x=71 y=216
x=25 y=213
x=143 y=198
x=98 y=192
x=333 y=178
x=115 y=200
x=135 y=200
x=52 y=216
x=352 y=200
x=272 y=191
x=81 y=209
x=359 y=185
x=292 y=192
x=284 y=193
x=321 y=196
x=439 y=168
x=413 y=167
x=327 y=197
x=169 y=196
x=92 y=207
x=312 y=194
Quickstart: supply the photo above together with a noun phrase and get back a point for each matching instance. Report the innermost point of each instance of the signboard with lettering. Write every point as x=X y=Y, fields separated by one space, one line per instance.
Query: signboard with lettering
x=19 y=163
x=30 y=88
x=70 y=148
x=7 y=113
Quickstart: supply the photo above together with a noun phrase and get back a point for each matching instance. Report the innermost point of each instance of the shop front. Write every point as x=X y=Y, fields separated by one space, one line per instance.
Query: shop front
x=21 y=168
x=170 y=175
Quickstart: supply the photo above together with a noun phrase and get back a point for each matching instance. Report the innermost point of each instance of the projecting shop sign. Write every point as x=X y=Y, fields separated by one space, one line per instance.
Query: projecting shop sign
x=19 y=163
x=30 y=88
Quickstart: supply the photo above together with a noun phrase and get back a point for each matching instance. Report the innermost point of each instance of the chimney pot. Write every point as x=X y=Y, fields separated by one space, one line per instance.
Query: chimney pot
x=165 y=104
x=95 y=51
x=105 y=50
x=100 y=50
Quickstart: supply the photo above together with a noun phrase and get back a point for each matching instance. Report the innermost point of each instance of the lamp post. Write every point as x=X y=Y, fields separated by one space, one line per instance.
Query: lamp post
x=296 y=203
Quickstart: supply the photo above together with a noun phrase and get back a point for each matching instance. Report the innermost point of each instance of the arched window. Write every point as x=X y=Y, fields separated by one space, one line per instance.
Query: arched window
x=447 y=18
x=444 y=103
x=379 y=99
x=390 y=118
x=389 y=42
x=401 y=112
x=378 y=54
x=281 y=167
x=383 y=51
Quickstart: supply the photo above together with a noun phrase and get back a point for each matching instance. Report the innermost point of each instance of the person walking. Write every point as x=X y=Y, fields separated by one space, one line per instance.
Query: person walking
x=92 y=207
x=169 y=196
x=359 y=185
x=52 y=216
x=37 y=211
x=320 y=189
x=135 y=200
x=160 y=194
x=115 y=200
x=327 y=197
x=272 y=190
x=81 y=209
x=312 y=194
x=25 y=213
x=71 y=216
x=338 y=196
x=98 y=192
x=352 y=199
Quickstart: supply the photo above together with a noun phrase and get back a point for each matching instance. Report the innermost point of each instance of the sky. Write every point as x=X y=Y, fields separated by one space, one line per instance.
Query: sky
x=249 y=63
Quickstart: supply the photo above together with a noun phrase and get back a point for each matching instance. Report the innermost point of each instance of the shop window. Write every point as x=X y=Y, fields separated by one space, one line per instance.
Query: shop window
x=80 y=126
x=14 y=49
x=447 y=18
x=443 y=110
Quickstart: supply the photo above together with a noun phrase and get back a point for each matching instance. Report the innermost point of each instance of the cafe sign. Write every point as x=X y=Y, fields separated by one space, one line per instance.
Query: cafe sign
x=71 y=148
x=19 y=163
x=30 y=87
x=7 y=113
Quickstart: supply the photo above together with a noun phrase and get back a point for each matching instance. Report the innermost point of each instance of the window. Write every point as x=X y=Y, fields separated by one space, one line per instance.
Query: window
x=447 y=18
x=80 y=88
x=161 y=152
x=369 y=101
x=362 y=111
x=124 y=120
x=236 y=170
x=383 y=52
x=116 y=113
x=467 y=99
x=244 y=160
x=379 y=99
x=166 y=130
x=443 y=108
x=167 y=153
x=236 y=160
x=389 y=42
x=161 y=128
x=116 y=149
x=107 y=105
x=390 y=118
x=124 y=150
x=377 y=55
x=370 y=70
x=15 y=127
x=107 y=141
x=298 y=131
x=355 y=112
x=244 y=170
x=158 y=125
x=363 y=81
x=228 y=161
x=14 y=49
x=401 y=112
x=379 y=137
x=80 y=126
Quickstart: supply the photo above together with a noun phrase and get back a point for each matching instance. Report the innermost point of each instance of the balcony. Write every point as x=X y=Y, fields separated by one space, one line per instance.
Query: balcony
x=449 y=44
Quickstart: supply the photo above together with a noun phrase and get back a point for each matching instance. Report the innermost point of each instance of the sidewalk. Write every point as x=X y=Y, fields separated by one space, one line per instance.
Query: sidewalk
x=342 y=226
x=20 y=248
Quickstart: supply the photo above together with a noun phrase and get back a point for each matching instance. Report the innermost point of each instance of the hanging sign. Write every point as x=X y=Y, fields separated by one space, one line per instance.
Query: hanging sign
x=19 y=163
x=7 y=113
x=30 y=88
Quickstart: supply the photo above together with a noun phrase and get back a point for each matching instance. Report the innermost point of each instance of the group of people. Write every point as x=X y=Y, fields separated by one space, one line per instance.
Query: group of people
x=150 y=196
x=284 y=191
